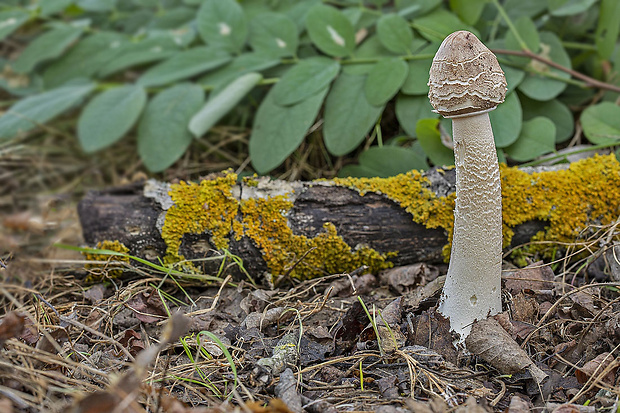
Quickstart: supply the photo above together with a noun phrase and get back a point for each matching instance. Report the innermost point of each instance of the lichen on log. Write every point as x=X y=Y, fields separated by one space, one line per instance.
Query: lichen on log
x=306 y=229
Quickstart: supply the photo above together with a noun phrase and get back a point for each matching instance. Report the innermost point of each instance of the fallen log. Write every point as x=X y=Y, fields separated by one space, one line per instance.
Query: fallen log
x=305 y=229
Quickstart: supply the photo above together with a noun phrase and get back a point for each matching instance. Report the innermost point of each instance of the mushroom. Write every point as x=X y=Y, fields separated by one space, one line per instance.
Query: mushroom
x=466 y=82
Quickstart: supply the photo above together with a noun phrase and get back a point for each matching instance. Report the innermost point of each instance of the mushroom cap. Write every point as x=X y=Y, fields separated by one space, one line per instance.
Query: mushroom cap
x=465 y=77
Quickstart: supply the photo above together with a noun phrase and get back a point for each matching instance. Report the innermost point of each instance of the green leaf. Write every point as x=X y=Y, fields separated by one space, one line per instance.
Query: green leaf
x=527 y=31
x=298 y=12
x=537 y=138
x=163 y=136
x=17 y=85
x=563 y=8
x=416 y=82
x=371 y=48
x=388 y=161
x=506 y=121
x=279 y=130
x=182 y=36
x=367 y=20
x=97 y=5
x=384 y=80
x=305 y=79
x=439 y=23
x=556 y=111
x=48 y=8
x=222 y=23
x=184 y=65
x=46 y=46
x=174 y=18
x=395 y=34
x=529 y=8
x=416 y=7
x=514 y=77
x=539 y=86
x=348 y=115
x=222 y=103
x=427 y=131
x=410 y=109
x=601 y=123
x=11 y=20
x=134 y=54
x=353 y=14
x=356 y=171
x=38 y=109
x=239 y=66
x=468 y=10
x=608 y=28
x=274 y=34
x=84 y=59
x=109 y=116
x=330 y=31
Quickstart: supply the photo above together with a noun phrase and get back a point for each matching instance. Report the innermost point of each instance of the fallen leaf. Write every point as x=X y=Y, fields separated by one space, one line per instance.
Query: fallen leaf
x=493 y=344
x=95 y=293
x=355 y=285
x=147 y=307
x=432 y=330
x=6 y=406
x=596 y=367
x=524 y=308
x=407 y=278
x=286 y=391
x=132 y=341
x=519 y=405
x=569 y=408
x=535 y=277
x=12 y=326
x=388 y=387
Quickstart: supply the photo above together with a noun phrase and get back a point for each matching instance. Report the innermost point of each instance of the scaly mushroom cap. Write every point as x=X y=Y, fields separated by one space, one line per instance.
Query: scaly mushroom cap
x=465 y=77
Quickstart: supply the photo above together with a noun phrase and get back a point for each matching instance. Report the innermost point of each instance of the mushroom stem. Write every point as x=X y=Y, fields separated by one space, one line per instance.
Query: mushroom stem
x=465 y=83
x=473 y=283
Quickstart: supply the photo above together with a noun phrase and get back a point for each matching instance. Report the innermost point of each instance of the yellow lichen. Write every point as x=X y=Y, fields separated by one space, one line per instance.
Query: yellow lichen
x=411 y=192
x=100 y=271
x=199 y=207
x=264 y=221
x=568 y=200
x=209 y=206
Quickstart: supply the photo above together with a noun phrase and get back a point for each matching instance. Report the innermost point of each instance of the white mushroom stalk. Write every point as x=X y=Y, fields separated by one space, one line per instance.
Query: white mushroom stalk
x=466 y=82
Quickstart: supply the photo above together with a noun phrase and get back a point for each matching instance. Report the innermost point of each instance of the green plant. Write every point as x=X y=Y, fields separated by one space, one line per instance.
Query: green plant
x=373 y=322
x=142 y=68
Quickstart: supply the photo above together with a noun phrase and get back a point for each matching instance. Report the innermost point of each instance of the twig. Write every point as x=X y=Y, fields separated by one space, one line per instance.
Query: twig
x=590 y=82
x=557 y=303
x=98 y=334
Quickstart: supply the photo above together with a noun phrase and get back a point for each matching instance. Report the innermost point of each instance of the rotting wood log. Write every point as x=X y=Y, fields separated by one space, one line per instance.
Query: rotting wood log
x=127 y=215
x=134 y=215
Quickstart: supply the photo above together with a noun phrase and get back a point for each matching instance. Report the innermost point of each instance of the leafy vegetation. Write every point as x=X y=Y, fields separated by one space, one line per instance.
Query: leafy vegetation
x=351 y=72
